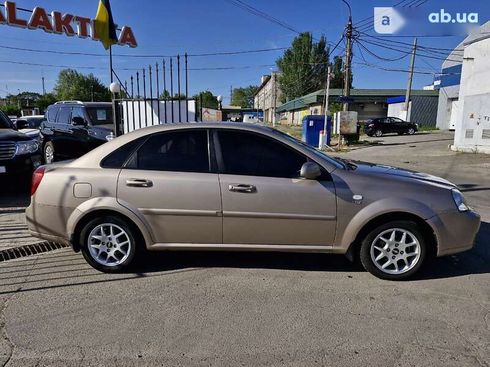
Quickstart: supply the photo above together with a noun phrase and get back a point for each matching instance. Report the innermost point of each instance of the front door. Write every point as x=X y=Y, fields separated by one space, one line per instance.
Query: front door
x=170 y=182
x=265 y=201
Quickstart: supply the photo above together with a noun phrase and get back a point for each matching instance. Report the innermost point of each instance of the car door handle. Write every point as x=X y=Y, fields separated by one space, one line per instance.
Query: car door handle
x=242 y=188
x=136 y=182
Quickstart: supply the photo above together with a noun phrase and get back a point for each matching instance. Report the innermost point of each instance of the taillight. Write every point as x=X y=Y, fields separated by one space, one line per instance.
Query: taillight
x=37 y=176
x=371 y=125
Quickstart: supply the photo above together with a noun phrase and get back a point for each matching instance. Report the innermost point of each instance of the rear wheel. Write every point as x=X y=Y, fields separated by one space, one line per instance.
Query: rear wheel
x=378 y=133
x=48 y=152
x=108 y=244
x=394 y=251
x=411 y=131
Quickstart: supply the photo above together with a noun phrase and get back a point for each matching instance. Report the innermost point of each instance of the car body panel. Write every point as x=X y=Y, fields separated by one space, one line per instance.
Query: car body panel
x=197 y=211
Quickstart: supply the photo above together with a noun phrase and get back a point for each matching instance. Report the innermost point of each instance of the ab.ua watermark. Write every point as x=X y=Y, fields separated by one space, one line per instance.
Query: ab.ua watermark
x=415 y=21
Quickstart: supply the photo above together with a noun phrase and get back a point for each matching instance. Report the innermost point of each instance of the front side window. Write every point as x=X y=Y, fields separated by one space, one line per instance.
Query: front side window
x=253 y=155
x=78 y=112
x=179 y=151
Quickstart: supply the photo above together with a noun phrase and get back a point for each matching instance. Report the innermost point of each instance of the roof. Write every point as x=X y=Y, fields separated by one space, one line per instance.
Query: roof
x=266 y=80
x=358 y=95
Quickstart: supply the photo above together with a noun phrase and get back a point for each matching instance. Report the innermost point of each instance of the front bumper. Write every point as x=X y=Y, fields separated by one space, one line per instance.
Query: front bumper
x=24 y=164
x=455 y=231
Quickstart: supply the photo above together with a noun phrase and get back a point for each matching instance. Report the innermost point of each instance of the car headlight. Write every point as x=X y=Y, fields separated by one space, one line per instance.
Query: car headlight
x=26 y=147
x=459 y=200
x=110 y=137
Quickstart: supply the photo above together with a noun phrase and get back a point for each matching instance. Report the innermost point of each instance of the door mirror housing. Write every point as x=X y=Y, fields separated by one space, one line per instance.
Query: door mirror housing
x=22 y=124
x=310 y=171
x=78 y=121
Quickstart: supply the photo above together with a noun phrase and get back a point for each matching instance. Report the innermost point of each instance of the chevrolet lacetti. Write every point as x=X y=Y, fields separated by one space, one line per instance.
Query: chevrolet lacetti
x=225 y=186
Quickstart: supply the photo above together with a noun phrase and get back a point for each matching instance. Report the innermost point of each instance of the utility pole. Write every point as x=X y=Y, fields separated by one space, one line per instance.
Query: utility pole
x=44 y=88
x=410 y=79
x=231 y=93
x=327 y=94
x=274 y=98
x=348 y=59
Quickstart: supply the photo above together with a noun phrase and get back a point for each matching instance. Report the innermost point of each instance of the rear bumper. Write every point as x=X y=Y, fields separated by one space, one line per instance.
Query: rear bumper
x=455 y=231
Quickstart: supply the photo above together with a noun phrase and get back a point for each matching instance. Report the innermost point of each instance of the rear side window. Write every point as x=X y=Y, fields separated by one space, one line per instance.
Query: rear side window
x=253 y=155
x=51 y=114
x=100 y=115
x=179 y=151
x=63 y=116
x=118 y=157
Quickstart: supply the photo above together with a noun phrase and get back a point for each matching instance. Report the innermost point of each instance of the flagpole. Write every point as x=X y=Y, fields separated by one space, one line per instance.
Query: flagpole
x=110 y=63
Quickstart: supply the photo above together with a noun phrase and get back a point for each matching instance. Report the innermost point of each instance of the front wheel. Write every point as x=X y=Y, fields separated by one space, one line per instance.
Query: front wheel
x=411 y=131
x=394 y=251
x=378 y=133
x=48 y=153
x=108 y=244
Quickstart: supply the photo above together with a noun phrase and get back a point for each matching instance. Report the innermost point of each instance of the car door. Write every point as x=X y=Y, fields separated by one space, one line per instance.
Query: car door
x=399 y=125
x=264 y=200
x=170 y=181
x=79 y=133
x=62 y=136
x=387 y=125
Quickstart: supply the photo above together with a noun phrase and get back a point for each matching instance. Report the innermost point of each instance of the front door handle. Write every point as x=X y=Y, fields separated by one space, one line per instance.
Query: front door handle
x=136 y=182
x=242 y=188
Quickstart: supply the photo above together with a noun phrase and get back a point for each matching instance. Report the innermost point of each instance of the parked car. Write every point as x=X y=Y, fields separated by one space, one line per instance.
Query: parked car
x=235 y=186
x=386 y=125
x=73 y=128
x=19 y=153
x=29 y=125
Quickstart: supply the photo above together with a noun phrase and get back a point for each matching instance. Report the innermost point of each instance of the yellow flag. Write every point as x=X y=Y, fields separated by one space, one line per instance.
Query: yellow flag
x=105 y=30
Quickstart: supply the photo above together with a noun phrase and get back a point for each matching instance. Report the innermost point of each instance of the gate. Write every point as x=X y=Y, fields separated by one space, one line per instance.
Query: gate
x=146 y=101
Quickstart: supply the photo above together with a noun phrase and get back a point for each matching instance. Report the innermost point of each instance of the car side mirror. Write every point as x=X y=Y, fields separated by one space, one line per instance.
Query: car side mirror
x=22 y=124
x=78 y=121
x=310 y=171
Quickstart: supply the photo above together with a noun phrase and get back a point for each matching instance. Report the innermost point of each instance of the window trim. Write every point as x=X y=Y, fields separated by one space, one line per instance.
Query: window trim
x=221 y=166
x=149 y=136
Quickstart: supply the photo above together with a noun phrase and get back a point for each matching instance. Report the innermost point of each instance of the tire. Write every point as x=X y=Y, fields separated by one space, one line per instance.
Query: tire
x=378 y=133
x=376 y=253
x=49 y=153
x=411 y=131
x=110 y=253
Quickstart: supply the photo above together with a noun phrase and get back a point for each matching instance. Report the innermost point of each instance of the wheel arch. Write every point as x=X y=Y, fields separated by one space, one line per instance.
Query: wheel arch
x=427 y=231
x=86 y=212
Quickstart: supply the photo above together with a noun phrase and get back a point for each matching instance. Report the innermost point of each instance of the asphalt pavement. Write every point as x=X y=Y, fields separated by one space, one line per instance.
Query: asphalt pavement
x=250 y=309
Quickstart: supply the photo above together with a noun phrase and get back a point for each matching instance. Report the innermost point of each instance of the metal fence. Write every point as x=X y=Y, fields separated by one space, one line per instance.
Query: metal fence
x=149 y=98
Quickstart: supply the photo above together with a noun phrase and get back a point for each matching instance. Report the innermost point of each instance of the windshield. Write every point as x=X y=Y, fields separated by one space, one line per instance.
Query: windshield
x=5 y=122
x=318 y=153
x=100 y=115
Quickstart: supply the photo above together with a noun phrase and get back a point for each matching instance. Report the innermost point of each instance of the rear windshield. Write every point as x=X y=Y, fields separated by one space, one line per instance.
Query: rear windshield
x=100 y=115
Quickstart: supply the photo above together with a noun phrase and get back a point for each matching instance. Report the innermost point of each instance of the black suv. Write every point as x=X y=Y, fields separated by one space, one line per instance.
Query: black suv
x=73 y=128
x=380 y=126
x=19 y=153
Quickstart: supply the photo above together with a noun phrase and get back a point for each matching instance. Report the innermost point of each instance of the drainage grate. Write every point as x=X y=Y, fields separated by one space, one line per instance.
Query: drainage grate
x=29 y=250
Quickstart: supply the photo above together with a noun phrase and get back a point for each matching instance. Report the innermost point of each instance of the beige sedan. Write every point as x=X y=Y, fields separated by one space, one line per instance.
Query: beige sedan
x=225 y=186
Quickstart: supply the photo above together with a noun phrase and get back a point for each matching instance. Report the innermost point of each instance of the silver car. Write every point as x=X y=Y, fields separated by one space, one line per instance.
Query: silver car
x=225 y=186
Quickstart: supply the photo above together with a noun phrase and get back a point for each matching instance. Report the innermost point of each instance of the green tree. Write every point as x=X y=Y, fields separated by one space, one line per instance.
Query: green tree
x=11 y=109
x=337 y=80
x=44 y=101
x=244 y=97
x=303 y=66
x=72 y=85
x=208 y=100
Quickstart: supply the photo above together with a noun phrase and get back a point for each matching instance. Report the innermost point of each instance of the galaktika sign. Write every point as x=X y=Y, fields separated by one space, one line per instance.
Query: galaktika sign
x=60 y=23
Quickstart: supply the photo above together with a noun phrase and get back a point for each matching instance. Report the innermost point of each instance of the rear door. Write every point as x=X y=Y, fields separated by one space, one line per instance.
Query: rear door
x=264 y=200
x=387 y=125
x=62 y=135
x=171 y=182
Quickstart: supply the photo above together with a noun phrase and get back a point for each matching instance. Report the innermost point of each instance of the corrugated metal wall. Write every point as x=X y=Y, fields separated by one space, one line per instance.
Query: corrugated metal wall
x=424 y=110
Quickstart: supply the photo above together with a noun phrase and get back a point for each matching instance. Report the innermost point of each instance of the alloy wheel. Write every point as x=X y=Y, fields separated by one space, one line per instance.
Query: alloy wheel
x=378 y=133
x=411 y=131
x=395 y=251
x=48 y=154
x=109 y=244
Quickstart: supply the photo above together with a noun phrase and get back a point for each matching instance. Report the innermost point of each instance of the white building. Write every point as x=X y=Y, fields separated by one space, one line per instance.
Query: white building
x=473 y=115
x=268 y=97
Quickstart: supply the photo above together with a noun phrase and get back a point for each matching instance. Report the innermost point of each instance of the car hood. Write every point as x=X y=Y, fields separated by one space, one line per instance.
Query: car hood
x=12 y=135
x=32 y=133
x=380 y=169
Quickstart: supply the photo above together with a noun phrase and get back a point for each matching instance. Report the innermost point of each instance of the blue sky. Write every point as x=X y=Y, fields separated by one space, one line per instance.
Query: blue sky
x=193 y=26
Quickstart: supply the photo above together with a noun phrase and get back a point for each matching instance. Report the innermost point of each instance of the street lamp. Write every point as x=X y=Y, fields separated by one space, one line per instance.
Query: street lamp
x=115 y=87
x=220 y=99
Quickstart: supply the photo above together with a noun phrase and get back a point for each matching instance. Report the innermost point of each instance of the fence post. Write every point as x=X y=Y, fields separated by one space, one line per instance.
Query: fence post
x=151 y=95
x=178 y=86
x=186 y=90
x=165 y=89
x=172 y=88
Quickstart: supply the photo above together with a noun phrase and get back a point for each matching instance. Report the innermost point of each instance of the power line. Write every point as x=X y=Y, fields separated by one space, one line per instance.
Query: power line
x=222 y=53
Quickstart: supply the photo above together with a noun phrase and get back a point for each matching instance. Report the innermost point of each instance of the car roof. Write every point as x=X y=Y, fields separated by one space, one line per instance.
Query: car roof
x=31 y=117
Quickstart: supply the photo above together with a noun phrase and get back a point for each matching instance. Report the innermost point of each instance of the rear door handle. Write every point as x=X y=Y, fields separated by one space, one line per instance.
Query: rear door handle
x=136 y=182
x=242 y=188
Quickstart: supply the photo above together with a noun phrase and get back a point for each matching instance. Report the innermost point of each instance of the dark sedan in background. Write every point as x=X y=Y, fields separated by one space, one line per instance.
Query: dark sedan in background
x=386 y=125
